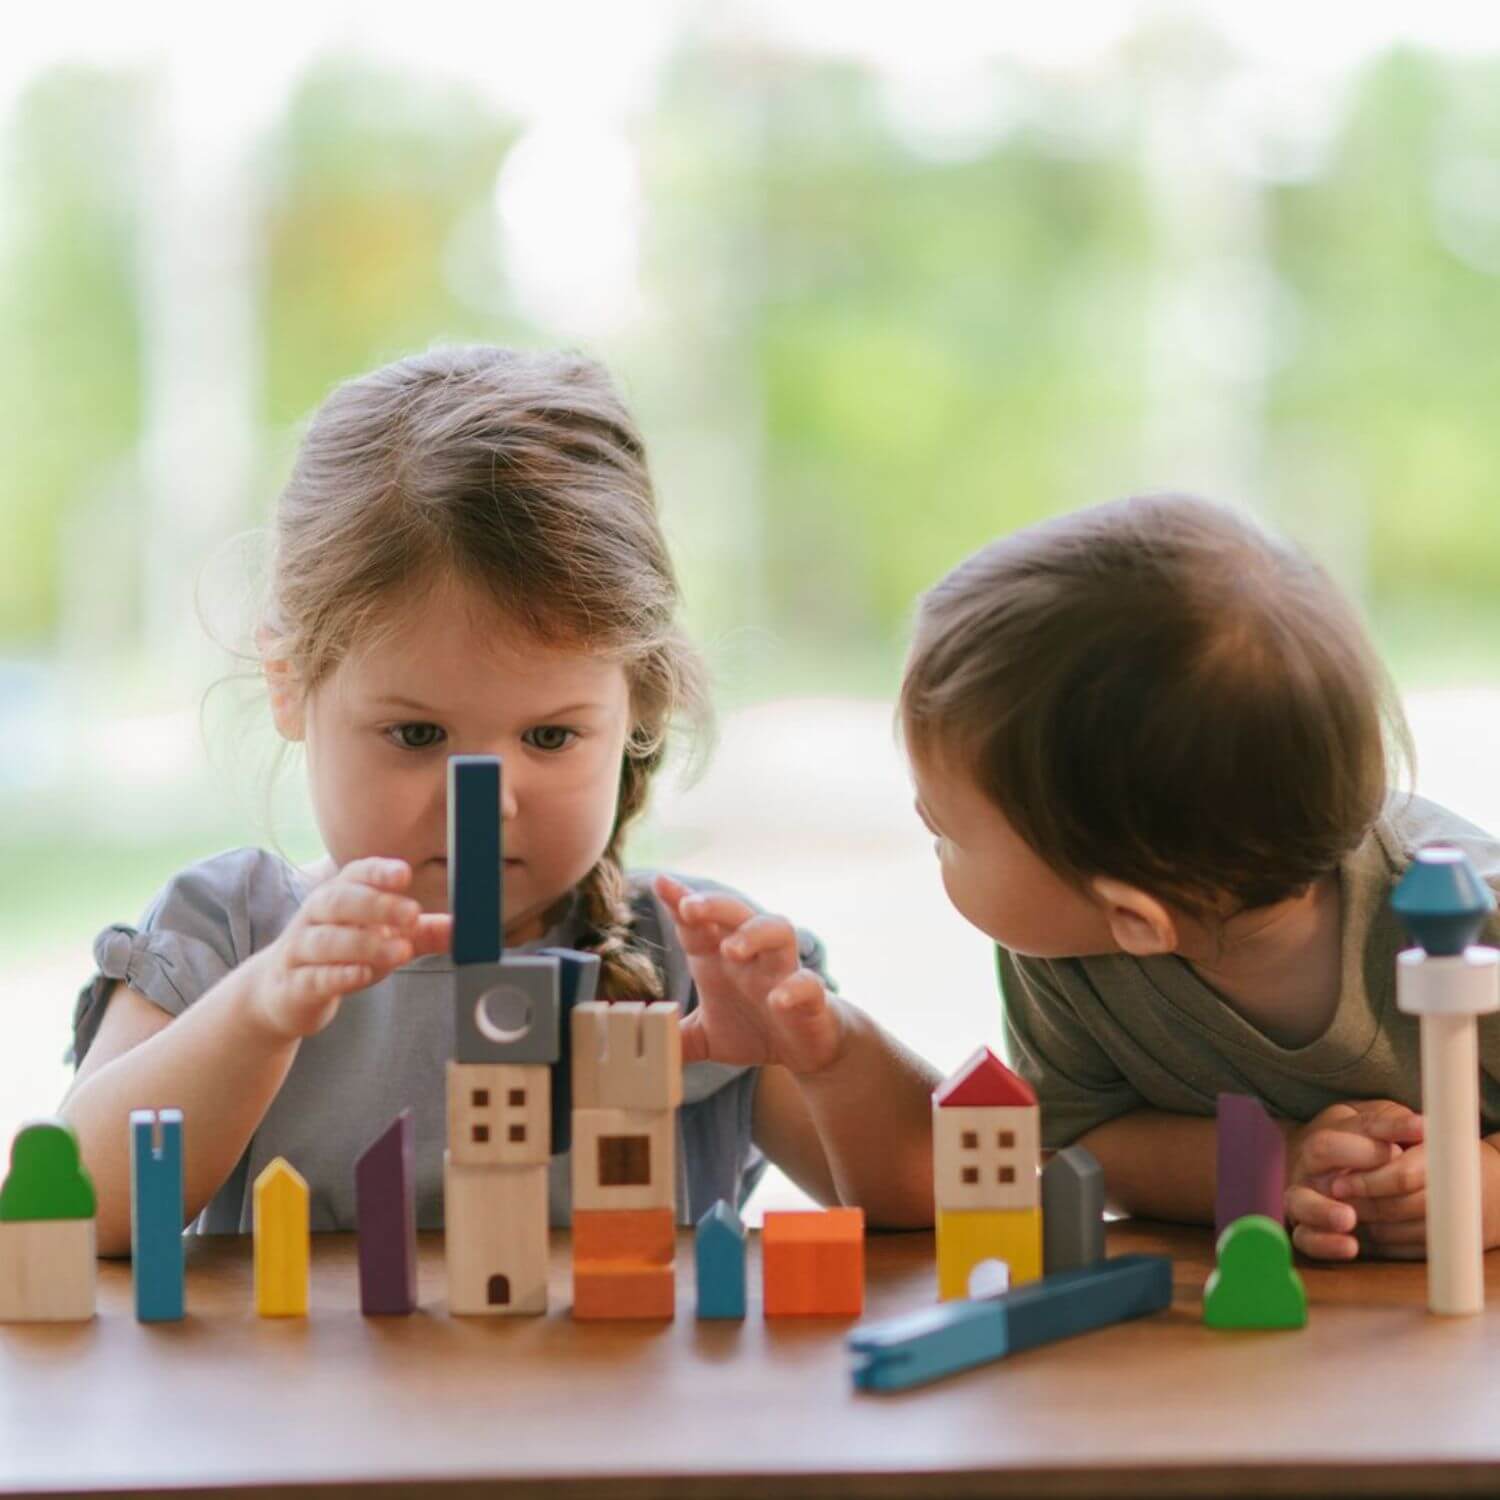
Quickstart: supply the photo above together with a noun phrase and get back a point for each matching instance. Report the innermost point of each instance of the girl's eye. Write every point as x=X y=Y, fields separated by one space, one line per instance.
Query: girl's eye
x=417 y=736
x=550 y=737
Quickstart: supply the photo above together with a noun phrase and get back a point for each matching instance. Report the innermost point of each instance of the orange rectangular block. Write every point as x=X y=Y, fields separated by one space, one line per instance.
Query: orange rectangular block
x=635 y=1235
x=813 y=1264
x=602 y=1290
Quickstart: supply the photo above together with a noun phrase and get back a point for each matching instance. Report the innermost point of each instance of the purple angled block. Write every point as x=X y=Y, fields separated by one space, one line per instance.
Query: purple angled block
x=386 y=1219
x=1251 y=1163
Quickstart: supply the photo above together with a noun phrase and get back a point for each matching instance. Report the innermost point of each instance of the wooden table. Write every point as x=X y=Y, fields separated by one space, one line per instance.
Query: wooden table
x=1373 y=1398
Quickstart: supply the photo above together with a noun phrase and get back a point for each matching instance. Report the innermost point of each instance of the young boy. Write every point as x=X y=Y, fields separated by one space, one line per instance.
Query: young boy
x=1152 y=743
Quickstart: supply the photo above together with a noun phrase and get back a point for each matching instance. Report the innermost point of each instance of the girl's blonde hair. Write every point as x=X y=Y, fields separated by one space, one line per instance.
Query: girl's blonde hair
x=524 y=475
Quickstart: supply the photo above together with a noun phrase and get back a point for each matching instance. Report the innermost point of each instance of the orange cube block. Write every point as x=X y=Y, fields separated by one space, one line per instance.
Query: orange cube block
x=813 y=1264
x=624 y=1263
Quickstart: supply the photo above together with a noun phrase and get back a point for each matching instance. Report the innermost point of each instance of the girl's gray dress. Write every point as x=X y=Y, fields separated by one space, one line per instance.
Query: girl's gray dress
x=388 y=1047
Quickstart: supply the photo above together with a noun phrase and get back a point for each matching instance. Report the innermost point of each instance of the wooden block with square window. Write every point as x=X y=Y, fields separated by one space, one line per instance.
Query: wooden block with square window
x=624 y=1159
x=499 y=1114
x=986 y=1139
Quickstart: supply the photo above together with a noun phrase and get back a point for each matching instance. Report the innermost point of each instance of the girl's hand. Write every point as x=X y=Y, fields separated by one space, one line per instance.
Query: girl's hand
x=1352 y=1138
x=351 y=932
x=756 y=1004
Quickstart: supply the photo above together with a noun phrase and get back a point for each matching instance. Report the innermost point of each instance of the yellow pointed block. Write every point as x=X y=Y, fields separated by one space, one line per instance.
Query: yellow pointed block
x=281 y=1241
x=965 y=1237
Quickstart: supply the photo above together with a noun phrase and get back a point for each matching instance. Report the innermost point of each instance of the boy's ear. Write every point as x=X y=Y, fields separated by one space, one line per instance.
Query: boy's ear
x=287 y=702
x=1138 y=922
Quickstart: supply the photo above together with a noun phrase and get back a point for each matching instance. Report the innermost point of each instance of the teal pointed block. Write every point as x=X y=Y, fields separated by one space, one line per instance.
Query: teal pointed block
x=1441 y=901
x=719 y=1249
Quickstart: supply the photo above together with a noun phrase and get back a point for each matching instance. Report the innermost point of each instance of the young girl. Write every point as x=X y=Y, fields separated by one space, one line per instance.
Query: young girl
x=1152 y=743
x=468 y=560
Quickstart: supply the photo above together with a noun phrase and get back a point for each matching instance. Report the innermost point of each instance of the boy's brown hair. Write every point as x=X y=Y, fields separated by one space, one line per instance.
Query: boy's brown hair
x=1157 y=690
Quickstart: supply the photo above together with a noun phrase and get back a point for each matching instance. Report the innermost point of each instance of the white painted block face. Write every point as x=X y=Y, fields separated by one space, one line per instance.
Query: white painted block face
x=47 y=1271
x=624 y=1158
x=500 y=1114
x=495 y=1239
x=986 y=1158
x=627 y=1055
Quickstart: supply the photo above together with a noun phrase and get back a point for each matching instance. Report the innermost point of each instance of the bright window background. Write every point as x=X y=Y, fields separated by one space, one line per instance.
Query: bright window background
x=878 y=285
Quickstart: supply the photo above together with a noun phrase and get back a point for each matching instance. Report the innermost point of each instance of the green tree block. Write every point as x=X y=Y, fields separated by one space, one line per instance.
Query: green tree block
x=1254 y=1285
x=47 y=1180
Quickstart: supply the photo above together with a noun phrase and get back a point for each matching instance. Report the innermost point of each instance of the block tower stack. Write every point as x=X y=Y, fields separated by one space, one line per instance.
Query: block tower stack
x=986 y=1141
x=627 y=1086
x=507 y=1036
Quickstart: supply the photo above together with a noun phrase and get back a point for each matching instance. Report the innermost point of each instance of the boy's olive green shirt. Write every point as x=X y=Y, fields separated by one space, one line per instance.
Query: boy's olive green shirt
x=1097 y=1037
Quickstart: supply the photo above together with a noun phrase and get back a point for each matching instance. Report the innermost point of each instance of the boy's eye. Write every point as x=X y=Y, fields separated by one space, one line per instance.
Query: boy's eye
x=550 y=737
x=417 y=736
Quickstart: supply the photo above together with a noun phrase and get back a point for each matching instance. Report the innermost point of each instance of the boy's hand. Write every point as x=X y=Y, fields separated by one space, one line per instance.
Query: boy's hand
x=1358 y=1137
x=756 y=1004
x=351 y=932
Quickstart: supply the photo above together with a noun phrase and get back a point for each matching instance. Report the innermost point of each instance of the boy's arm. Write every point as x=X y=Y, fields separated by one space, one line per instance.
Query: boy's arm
x=858 y=1131
x=1158 y=1165
x=214 y=1062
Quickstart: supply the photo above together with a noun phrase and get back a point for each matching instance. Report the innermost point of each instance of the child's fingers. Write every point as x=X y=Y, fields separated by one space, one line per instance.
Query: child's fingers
x=764 y=934
x=704 y=907
x=1406 y=1174
x=1402 y=1209
x=341 y=945
x=1304 y=1206
x=671 y=891
x=694 y=1037
x=320 y=982
x=1394 y=1122
x=384 y=874
x=799 y=997
x=347 y=902
x=432 y=934
x=1321 y=1244
x=1405 y=1241
x=1331 y=1150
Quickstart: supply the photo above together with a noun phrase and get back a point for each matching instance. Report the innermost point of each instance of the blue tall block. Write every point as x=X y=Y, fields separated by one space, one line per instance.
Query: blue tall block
x=475 y=859
x=156 y=1213
x=579 y=983
x=719 y=1250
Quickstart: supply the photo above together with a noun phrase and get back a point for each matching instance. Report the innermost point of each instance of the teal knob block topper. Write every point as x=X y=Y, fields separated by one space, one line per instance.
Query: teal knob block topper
x=1441 y=901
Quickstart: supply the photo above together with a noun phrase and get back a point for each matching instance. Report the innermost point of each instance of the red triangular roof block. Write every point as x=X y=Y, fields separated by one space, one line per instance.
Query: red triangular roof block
x=981 y=1082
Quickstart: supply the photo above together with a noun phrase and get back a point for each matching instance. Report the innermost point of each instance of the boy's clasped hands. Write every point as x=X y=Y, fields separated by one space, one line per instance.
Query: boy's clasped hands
x=1357 y=1183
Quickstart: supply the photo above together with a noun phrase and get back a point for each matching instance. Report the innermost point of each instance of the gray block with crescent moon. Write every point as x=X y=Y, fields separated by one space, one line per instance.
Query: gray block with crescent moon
x=508 y=1012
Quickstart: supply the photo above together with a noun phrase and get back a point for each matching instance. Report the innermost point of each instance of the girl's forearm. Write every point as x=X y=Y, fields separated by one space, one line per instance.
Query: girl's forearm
x=1158 y=1165
x=873 y=1111
x=217 y=1064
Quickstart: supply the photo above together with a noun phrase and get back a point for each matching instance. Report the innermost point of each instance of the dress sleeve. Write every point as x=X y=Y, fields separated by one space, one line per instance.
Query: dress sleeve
x=1077 y=1084
x=207 y=920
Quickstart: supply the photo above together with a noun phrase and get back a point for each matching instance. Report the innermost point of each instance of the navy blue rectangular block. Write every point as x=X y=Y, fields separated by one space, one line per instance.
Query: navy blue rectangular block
x=475 y=858
x=579 y=985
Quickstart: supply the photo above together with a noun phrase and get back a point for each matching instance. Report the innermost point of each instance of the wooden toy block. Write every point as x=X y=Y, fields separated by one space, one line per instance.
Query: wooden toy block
x=647 y=1236
x=965 y=1240
x=282 y=1248
x=495 y=1239
x=578 y=982
x=1072 y=1211
x=1251 y=1162
x=475 y=860
x=385 y=1212
x=627 y=1056
x=719 y=1257
x=624 y=1264
x=507 y=1011
x=983 y=1081
x=624 y=1158
x=925 y=1346
x=813 y=1264
x=47 y=1270
x=986 y=1157
x=47 y=1236
x=1449 y=981
x=1254 y=1284
x=616 y=1292
x=156 y=1214
x=499 y=1114
x=47 y=1179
